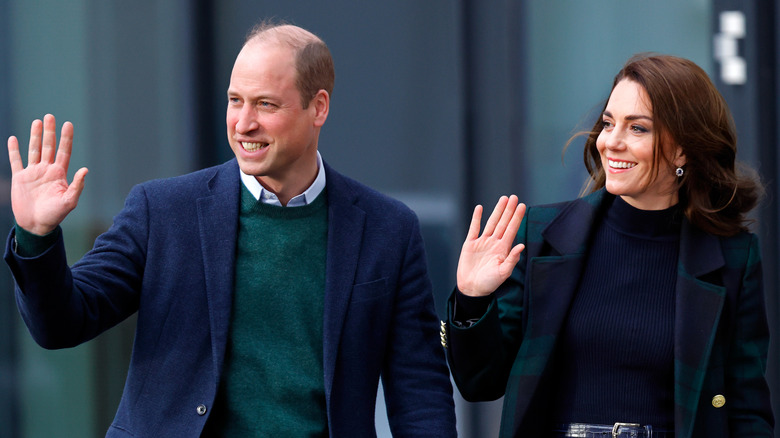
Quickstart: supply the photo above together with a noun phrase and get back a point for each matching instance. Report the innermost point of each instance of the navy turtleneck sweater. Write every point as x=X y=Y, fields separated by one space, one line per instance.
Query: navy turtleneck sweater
x=615 y=360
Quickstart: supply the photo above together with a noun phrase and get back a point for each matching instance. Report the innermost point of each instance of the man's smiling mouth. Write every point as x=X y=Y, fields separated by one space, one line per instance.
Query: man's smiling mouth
x=252 y=147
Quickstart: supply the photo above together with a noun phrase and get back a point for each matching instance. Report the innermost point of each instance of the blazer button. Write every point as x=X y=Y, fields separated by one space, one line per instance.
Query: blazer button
x=718 y=401
x=201 y=409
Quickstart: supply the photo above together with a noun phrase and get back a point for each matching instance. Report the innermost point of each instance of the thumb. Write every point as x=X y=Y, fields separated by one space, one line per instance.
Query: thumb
x=514 y=255
x=77 y=186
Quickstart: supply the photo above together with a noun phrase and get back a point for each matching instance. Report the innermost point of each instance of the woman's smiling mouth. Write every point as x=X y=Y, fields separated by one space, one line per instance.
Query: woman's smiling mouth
x=621 y=164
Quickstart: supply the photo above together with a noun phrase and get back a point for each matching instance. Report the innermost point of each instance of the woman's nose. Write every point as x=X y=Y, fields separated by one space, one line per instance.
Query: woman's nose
x=614 y=139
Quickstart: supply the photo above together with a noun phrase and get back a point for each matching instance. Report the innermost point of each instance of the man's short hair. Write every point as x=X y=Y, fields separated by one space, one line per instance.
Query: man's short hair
x=313 y=61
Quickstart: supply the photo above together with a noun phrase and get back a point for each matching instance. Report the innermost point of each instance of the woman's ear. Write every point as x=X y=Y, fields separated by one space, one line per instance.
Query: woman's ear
x=679 y=157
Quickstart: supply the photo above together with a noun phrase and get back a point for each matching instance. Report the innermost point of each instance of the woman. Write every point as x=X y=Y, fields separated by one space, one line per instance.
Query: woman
x=637 y=307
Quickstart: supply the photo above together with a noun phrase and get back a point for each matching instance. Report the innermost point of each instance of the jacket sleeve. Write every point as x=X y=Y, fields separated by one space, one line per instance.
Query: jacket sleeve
x=63 y=306
x=481 y=354
x=750 y=411
x=418 y=391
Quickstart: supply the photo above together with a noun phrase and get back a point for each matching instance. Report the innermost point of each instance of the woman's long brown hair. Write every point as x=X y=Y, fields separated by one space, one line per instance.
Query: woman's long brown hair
x=715 y=191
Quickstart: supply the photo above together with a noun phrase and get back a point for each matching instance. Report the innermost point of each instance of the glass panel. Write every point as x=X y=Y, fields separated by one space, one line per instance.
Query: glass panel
x=575 y=50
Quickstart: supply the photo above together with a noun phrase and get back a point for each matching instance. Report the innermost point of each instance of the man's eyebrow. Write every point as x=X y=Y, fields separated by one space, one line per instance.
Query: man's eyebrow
x=252 y=98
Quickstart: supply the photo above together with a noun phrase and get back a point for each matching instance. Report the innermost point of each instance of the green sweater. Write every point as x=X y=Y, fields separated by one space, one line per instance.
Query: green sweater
x=272 y=384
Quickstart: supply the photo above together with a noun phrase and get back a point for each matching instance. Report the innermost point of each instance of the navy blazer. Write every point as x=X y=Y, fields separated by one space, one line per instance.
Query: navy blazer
x=169 y=256
x=720 y=330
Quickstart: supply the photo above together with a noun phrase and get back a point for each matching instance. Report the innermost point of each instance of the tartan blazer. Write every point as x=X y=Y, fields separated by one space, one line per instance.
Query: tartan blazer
x=721 y=335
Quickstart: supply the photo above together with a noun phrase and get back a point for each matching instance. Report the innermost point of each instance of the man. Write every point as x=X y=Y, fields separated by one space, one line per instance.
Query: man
x=272 y=292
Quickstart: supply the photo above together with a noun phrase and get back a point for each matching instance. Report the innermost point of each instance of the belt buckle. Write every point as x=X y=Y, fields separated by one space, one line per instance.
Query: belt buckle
x=617 y=426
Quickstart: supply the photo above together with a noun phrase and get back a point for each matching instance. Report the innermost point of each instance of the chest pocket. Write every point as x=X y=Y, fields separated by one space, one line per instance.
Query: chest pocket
x=370 y=291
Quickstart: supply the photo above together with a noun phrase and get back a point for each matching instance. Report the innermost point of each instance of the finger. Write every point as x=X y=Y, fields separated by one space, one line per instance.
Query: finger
x=490 y=226
x=34 y=148
x=49 y=138
x=506 y=217
x=66 y=145
x=476 y=219
x=514 y=224
x=14 y=157
x=49 y=146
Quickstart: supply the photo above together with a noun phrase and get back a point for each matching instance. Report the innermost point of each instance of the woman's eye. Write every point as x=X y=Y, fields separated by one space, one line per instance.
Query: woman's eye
x=638 y=129
x=606 y=124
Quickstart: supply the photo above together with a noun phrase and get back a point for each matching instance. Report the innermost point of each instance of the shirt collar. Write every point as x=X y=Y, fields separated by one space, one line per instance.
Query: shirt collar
x=268 y=197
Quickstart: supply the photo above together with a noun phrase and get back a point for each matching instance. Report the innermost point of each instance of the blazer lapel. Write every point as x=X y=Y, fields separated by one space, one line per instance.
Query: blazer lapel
x=345 y=231
x=218 y=223
x=698 y=309
x=554 y=272
x=559 y=271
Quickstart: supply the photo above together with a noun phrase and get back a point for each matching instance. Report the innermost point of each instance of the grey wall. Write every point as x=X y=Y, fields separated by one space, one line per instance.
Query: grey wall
x=9 y=367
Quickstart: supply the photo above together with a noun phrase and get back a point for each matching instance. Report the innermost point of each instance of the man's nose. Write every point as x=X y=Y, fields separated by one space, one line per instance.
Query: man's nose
x=247 y=122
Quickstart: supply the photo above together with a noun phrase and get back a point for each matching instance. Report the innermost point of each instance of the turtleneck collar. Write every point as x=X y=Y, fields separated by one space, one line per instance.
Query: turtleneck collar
x=644 y=223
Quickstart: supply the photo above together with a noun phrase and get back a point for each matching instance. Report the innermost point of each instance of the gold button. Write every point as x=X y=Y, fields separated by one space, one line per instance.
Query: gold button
x=718 y=401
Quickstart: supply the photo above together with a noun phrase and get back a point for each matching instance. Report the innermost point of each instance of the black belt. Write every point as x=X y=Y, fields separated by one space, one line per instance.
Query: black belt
x=617 y=430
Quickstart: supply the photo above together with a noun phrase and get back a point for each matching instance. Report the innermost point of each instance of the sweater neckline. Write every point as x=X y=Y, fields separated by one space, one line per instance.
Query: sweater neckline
x=252 y=206
x=628 y=219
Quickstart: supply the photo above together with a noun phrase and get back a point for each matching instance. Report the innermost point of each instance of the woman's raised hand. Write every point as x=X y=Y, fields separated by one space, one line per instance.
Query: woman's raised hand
x=41 y=197
x=487 y=260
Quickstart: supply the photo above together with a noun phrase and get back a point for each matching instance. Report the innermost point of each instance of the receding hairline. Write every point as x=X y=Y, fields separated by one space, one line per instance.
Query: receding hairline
x=282 y=34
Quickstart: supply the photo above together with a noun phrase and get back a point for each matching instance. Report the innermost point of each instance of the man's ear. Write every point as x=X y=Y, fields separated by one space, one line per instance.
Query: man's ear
x=321 y=104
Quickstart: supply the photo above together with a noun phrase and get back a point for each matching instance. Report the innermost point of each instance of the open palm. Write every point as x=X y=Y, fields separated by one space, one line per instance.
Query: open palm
x=41 y=197
x=487 y=260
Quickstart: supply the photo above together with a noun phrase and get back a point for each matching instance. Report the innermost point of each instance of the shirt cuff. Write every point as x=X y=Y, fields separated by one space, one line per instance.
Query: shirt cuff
x=27 y=244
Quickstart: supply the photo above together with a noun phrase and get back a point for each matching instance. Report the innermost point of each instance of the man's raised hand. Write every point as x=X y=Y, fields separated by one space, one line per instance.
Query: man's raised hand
x=41 y=197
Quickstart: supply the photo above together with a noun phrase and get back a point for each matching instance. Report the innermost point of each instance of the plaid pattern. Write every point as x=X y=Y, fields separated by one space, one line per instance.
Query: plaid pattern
x=721 y=333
